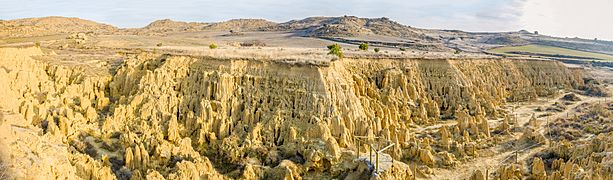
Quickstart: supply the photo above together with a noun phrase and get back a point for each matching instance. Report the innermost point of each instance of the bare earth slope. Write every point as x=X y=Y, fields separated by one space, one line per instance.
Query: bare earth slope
x=163 y=105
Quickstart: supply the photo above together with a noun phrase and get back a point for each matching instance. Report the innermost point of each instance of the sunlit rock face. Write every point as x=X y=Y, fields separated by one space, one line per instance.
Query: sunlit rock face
x=181 y=117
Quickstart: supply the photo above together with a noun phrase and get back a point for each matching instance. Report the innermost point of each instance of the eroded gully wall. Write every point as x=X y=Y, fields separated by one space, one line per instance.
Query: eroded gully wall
x=162 y=109
x=236 y=108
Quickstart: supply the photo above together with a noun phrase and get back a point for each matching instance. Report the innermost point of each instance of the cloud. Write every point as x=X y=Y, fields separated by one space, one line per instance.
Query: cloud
x=569 y=18
x=471 y=15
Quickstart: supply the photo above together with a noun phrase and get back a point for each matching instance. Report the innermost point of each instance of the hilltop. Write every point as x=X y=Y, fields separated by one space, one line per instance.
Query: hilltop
x=313 y=31
x=29 y=27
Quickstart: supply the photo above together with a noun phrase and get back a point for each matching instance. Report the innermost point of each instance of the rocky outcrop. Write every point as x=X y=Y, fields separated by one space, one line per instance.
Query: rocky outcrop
x=46 y=109
x=183 y=117
x=538 y=169
x=512 y=171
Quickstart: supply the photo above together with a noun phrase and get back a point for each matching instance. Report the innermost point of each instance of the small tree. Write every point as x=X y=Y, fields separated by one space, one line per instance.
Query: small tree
x=335 y=49
x=213 y=46
x=377 y=50
x=364 y=47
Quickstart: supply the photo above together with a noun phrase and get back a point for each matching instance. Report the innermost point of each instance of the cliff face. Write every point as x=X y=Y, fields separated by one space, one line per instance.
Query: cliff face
x=177 y=116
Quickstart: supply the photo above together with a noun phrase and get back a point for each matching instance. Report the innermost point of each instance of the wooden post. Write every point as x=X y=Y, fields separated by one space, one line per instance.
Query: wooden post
x=549 y=132
x=414 y=171
x=516 y=157
x=377 y=162
x=547 y=126
x=358 y=148
x=370 y=153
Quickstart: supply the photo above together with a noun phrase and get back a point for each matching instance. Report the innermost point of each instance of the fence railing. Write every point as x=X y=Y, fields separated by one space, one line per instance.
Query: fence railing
x=373 y=147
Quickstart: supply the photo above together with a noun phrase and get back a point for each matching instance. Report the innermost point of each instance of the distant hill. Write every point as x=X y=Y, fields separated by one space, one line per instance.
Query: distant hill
x=167 y=24
x=381 y=32
x=345 y=26
x=161 y=27
x=506 y=39
x=353 y=30
x=350 y=26
x=50 y=26
x=164 y=26
x=242 y=25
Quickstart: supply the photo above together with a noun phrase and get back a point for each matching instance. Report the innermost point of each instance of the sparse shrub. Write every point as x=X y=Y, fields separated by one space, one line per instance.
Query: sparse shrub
x=599 y=111
x=364 y=47
x=457 y=51
x=37 y=44
x=213 y=46
x=256 y=43
x=590 y=129
x=377 y=50
x=159 y=45
x=335 y=49
x=403 y=49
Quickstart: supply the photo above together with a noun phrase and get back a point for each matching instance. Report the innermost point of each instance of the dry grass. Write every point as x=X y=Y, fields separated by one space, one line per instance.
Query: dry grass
x=304 y=55
x=287 y=55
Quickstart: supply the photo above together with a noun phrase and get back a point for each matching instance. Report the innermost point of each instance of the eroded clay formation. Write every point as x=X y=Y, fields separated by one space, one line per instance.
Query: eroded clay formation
x=183 y=117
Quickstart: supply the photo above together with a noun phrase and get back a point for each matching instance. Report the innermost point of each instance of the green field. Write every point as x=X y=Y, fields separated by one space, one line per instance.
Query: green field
x=549 y=51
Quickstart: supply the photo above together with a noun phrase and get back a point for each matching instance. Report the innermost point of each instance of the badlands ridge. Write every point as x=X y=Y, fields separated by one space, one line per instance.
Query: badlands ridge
x=141 y=104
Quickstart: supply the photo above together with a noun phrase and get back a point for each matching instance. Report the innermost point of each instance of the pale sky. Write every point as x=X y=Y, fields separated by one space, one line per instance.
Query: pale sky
x=565 y=18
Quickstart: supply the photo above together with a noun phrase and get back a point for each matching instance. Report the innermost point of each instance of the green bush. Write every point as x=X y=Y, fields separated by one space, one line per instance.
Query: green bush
x=403 y=49
x=364 y=47
x=213 y=46
x=335 y=49
x=37 y=44
x=159 y=45
x=377 y=50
